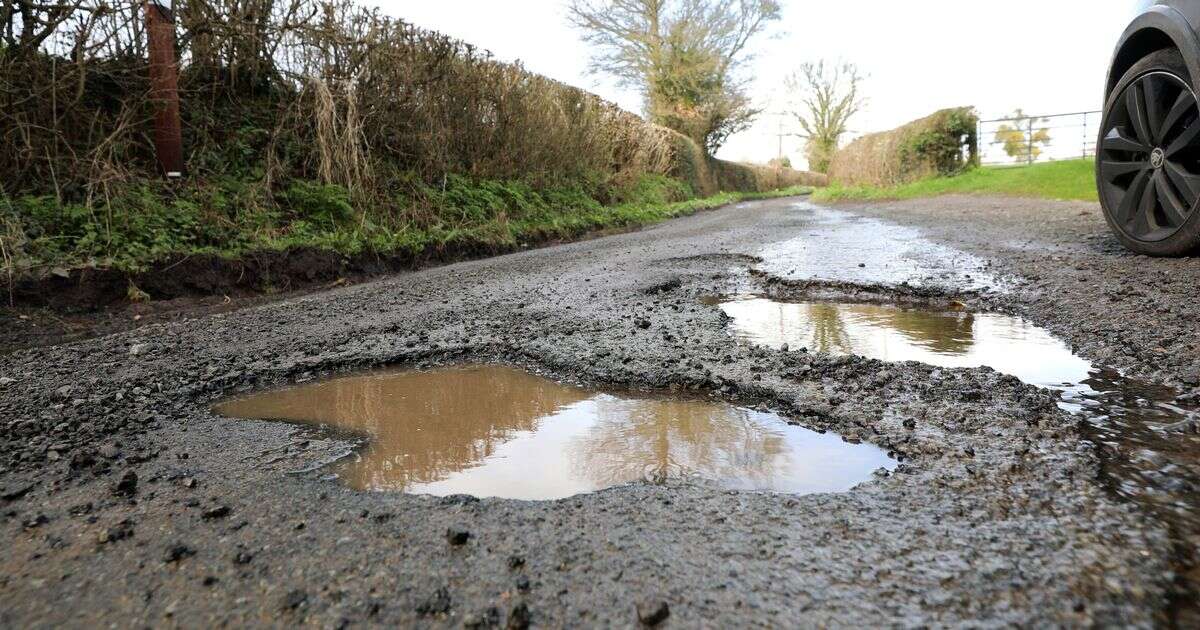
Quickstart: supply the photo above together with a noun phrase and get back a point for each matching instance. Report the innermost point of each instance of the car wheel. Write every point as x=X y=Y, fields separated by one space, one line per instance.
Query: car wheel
x=1148 y=158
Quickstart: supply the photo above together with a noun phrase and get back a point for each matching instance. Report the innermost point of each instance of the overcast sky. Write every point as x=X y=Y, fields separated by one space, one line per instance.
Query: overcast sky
x=1046 y=56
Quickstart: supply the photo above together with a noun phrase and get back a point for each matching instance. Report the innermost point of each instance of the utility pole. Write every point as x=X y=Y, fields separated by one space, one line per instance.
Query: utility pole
x=779 y=136
x=164 y=87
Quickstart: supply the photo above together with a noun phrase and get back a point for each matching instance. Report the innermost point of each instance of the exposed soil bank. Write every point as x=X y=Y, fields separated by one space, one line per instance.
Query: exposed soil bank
x=126 y=500
x=85 y=290
x=84 y=303
x=90 y=302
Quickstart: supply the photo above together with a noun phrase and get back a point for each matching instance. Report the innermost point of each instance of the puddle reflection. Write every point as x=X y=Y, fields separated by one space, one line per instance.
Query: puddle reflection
x=497 y=431
x=891 y=333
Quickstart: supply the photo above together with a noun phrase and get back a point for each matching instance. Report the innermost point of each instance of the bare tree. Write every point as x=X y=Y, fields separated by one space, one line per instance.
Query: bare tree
x=684 y=56
x=827 y=96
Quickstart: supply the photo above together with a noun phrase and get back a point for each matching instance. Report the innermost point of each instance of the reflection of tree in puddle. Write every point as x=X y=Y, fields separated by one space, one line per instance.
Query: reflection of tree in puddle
x=659 y=439
x=941 y=332
x=844 y=328
x=424 y=426
x=827 y=328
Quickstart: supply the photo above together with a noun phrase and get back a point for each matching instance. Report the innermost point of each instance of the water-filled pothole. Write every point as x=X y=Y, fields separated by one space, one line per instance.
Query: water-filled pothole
x=1147 y=457
x=891 y=333
x=493 y=431
x=838 y=246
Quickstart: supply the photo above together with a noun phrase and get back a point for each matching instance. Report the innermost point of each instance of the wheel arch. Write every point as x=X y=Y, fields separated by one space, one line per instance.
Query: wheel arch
x=1158 y=28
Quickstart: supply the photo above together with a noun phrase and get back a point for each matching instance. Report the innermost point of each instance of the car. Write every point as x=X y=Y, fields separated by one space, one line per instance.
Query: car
x=1148 y=152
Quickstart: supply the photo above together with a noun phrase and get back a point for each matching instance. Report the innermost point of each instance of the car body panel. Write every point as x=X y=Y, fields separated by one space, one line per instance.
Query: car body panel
x=1189 y=9
x=1162 y=24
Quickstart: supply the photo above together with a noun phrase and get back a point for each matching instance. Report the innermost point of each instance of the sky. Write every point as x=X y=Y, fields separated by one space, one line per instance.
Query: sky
x=1045 y=56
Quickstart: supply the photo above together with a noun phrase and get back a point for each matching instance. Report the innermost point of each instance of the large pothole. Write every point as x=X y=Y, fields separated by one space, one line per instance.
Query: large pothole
x=1146 y=432
x=494 y=431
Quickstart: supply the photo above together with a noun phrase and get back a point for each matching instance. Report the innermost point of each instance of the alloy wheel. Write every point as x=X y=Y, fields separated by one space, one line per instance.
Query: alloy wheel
x=1150 y=158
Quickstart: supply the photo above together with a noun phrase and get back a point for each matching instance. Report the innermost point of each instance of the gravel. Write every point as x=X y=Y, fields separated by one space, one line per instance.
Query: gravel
x=995 y=516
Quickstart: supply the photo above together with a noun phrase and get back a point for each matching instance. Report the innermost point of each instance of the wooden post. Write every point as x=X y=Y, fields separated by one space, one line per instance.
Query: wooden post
x=164 y=87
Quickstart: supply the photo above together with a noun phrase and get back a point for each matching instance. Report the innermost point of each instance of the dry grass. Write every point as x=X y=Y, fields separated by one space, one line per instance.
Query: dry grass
x=310 y=89
x=305 y=121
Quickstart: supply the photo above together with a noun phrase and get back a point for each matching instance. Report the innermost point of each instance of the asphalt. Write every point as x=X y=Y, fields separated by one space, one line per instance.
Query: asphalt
x=126 y=501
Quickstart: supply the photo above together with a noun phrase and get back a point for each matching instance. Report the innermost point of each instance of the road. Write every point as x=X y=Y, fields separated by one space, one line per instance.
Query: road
x=1002 y=510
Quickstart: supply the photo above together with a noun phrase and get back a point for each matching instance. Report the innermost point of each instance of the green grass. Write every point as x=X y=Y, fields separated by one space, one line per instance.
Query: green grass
x=231 y=218
x=1067 y=179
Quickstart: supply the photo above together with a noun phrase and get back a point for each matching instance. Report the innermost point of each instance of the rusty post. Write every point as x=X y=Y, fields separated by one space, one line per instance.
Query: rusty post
x=164 y=87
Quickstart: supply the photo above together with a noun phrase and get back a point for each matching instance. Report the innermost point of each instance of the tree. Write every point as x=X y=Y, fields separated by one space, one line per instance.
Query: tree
x=826 y=97
x=1020 y=139
x=25 y=25
x=683 y=55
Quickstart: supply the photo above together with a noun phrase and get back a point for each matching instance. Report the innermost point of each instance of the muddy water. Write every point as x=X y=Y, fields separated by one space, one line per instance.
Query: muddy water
x=1152 y=455
x=494 y=431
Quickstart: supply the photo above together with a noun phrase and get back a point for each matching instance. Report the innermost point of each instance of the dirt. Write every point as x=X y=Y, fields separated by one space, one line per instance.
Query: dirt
x=127 y=500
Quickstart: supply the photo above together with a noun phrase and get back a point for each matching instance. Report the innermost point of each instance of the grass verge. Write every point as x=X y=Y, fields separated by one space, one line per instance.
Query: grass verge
x=1066 y=180
x=232 y=220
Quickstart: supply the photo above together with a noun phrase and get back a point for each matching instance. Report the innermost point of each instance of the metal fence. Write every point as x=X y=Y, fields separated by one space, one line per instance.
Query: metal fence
x=1068 y=136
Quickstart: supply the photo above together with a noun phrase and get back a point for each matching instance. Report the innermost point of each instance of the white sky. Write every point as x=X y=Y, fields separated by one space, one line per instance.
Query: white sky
x=1046 y=56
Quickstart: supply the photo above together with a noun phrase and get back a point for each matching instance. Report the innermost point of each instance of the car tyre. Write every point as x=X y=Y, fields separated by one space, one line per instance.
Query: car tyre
x=1148 y=158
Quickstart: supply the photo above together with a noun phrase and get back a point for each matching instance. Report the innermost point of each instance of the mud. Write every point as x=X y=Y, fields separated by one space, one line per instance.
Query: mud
x=127 y=500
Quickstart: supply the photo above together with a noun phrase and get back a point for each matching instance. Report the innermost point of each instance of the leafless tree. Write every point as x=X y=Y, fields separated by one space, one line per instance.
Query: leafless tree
x=826 y=96
x=684 y=56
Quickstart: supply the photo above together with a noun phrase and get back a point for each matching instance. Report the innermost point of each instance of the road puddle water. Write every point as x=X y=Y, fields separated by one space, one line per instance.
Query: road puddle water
x=493 y=431
x=1151 y=454
x=837 y=246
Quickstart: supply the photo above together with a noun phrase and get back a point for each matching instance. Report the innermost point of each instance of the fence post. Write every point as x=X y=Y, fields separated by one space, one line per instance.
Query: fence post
x=978 y=141
x=1084 y=156
x=1030 y=156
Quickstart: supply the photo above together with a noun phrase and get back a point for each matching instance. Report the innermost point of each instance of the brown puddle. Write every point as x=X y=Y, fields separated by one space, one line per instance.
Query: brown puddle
x=494 y=431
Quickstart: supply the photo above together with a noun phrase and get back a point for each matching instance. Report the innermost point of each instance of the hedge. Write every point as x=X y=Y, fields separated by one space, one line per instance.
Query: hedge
x=944 y=143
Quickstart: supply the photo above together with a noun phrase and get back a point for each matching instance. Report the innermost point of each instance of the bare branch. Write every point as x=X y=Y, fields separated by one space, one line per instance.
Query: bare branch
x=682 y=55
x=827 y=96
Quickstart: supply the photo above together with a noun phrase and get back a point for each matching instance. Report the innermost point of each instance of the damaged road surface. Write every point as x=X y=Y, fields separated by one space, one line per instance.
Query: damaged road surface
x=128 y=499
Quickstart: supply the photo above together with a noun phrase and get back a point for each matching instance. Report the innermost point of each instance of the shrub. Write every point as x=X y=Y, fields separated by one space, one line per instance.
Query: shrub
x=943 y=143
x=326 y=205
x=310 y=121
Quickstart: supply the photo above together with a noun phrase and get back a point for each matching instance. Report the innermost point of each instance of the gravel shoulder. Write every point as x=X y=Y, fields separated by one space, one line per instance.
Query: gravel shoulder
x=996 y=515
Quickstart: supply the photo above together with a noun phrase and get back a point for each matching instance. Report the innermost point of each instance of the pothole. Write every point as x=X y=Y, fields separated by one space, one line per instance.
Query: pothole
x=493 y=431
x=1147 y=432
x=837 y=246
x=945 y=338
